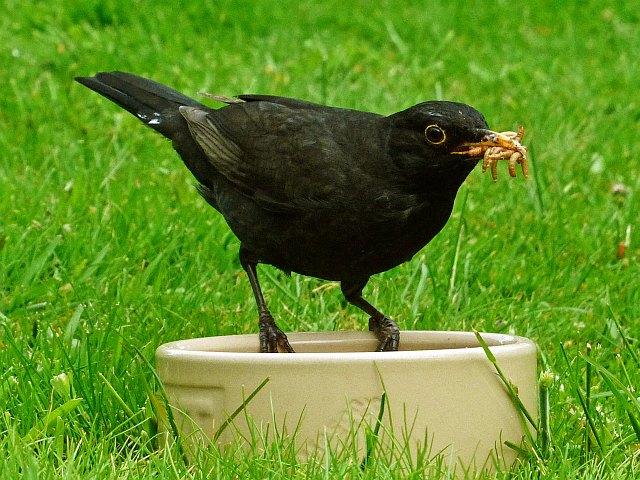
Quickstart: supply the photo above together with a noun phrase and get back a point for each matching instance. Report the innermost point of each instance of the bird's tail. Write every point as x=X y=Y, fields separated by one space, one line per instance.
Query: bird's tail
x=153 y=103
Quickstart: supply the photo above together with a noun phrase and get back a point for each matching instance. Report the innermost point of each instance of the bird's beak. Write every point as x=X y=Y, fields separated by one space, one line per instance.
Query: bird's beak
x=506 y=141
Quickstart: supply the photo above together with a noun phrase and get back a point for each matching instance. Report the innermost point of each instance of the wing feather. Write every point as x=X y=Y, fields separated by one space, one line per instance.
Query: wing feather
x=282 y=157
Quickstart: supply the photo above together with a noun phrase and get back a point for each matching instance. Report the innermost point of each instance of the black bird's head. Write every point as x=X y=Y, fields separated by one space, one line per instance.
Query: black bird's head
x=436 y=143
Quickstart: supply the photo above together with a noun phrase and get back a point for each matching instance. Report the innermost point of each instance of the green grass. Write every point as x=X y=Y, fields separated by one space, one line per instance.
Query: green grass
x=106 y=251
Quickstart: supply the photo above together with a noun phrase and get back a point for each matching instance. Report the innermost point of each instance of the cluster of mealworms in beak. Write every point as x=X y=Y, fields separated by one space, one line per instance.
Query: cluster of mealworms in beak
x=509 y=149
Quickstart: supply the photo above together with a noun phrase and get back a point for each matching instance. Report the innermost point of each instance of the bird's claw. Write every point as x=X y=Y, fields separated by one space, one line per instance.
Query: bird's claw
x=272 y=339
x=387 y=333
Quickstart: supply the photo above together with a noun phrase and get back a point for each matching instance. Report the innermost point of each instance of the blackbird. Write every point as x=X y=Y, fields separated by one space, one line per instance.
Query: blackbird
x=328 y=192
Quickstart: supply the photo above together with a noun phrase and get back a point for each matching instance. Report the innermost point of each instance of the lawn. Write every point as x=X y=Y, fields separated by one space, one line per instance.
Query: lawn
x=107 y=251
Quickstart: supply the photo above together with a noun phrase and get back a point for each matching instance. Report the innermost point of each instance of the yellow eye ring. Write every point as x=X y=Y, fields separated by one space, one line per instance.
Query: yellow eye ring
x=434 y=134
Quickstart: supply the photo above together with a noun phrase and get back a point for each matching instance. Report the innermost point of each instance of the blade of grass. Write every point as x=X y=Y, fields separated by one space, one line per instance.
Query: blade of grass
x=372 y=437
x=583 y=404
x=72 y=326
x=117 y=396
x=587 y=400
x=36 y=266
x=625 y=340
x=510 y=389
x=238 y=410
x=415 y=305
x=267 y=272
x=459 y=237
x=165 y=398
x=622 y=394
x=544 y=429
x=41 y=427
x=536 y=177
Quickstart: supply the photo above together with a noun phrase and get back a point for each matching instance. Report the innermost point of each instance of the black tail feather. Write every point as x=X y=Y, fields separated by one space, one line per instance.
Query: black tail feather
x=158 y=107
x=153 y=103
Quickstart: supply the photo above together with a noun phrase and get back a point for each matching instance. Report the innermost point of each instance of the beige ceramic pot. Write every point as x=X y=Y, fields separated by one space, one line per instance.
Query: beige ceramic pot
x=442 y=395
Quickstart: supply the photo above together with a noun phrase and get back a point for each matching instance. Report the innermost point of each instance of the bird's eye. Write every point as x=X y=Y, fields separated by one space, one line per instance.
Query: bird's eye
x=434 y=134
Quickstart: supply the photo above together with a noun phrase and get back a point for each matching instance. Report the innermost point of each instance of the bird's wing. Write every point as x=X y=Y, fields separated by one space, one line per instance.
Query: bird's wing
x=285 y=156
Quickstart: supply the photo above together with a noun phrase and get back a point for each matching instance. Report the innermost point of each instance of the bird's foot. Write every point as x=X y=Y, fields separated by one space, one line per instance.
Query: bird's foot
x=387 y=332
x=272 y=339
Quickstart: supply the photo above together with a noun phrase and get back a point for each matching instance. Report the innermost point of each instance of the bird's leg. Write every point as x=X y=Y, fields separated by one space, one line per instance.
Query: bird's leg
x=271 y=337
x=383 y=327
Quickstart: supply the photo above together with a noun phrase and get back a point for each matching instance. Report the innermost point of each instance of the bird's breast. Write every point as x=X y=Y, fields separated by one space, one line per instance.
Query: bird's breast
x=340 y=244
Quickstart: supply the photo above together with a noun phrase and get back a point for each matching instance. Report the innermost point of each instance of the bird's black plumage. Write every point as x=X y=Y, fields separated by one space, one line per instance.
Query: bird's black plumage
x=328 y=192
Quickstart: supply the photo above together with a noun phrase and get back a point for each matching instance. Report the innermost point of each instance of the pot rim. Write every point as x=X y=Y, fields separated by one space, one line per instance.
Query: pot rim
x=340 y=346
